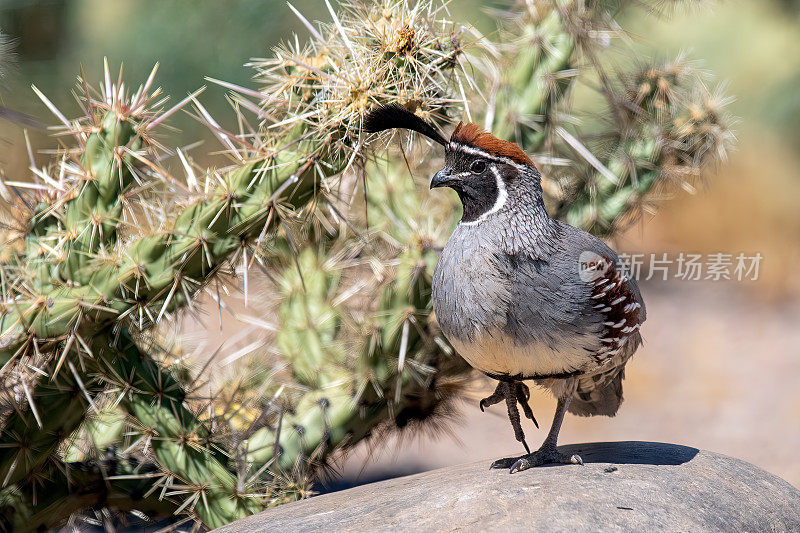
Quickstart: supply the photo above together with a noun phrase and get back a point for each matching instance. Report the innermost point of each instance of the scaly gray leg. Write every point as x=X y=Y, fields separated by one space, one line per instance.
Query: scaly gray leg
x=548 y=453
x=512 y=392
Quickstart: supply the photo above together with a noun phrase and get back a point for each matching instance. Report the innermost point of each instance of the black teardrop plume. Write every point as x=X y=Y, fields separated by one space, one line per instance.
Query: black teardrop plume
x=395 y=116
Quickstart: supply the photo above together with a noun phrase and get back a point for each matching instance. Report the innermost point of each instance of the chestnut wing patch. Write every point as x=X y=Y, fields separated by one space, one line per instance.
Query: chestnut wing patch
x=613 y=297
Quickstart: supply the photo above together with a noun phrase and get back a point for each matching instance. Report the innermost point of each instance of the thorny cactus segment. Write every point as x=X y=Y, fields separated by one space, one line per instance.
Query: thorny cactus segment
x=84 y=200
x=674 y=127
x=185 y=463
x=373 y=53
x=147 y=281
x=402 y=372
x=107 y=164
x=30 y=438
x=189 y=462
x=306 y=423
x=34 y=316
x=546 y=47
x=418 y=372
x=310 y=322
x=318 y=413
x=314 y=422
x=156 y=273
x=92 y=279
x=66 y=489
x=666 y=125
x=540 y=69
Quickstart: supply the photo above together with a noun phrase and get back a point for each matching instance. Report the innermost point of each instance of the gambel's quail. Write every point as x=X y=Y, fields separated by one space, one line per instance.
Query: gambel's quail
x=521 y=296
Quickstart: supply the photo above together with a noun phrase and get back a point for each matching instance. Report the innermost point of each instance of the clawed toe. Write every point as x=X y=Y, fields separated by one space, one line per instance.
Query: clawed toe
x=523 y=463
x=523 y=395
x=537 y=458
x=497 y=396
x=503 y=463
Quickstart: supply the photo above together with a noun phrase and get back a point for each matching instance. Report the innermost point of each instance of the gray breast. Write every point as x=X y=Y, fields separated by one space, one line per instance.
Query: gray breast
x=470 y=293
x=507 y=311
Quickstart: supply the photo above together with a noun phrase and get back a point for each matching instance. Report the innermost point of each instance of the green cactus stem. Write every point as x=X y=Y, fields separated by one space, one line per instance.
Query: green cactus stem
x=539 y=74
x=667 y=125
x=674 y=129
x=113 y=482
x=402 y=372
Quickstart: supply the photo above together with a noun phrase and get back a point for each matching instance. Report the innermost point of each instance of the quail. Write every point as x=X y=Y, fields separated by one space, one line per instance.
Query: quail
x=522 y=296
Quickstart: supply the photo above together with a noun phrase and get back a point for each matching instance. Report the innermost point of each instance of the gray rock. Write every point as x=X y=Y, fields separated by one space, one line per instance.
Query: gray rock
x=661 y=487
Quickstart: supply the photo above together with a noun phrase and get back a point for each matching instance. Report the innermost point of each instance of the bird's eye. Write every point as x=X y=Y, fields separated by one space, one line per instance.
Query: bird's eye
x=478 y=166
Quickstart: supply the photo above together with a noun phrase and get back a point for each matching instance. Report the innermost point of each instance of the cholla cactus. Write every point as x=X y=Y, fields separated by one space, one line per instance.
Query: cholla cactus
x=111 y=245
x=371 y=54
x=671 y=127
x=105 y=259
x=664 y=126
x=359 y=340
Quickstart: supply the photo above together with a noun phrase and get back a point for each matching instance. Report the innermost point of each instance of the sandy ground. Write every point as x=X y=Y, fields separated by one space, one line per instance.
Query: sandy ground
x=718 y=371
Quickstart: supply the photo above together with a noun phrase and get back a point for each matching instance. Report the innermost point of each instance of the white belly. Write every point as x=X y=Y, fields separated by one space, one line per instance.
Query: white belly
x=497 y=354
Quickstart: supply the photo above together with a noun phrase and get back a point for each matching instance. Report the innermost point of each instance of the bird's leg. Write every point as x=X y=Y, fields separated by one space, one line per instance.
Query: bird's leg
x=548 y=452
x=512 y=392
x=513 y=414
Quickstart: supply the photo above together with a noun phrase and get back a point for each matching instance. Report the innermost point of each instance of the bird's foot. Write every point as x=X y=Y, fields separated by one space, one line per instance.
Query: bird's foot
x=542 y=456
x=515 y=392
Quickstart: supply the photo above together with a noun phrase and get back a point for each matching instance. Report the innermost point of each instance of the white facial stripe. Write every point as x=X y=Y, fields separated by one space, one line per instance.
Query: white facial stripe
x=502 y=196
x=477 y=151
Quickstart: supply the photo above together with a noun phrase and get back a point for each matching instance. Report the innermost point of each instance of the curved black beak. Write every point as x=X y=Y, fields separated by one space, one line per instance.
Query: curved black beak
x=441 y=179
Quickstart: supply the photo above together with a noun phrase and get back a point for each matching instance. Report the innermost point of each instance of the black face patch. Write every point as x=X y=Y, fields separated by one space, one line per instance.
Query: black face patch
x=475 y=181
x=477 y=196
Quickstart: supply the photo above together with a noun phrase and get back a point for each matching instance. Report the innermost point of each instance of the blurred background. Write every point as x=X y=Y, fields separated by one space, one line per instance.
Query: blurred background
x=720 y=365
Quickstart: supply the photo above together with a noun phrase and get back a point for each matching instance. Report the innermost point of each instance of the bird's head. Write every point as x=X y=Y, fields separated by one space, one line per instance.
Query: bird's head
x=487 y=173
